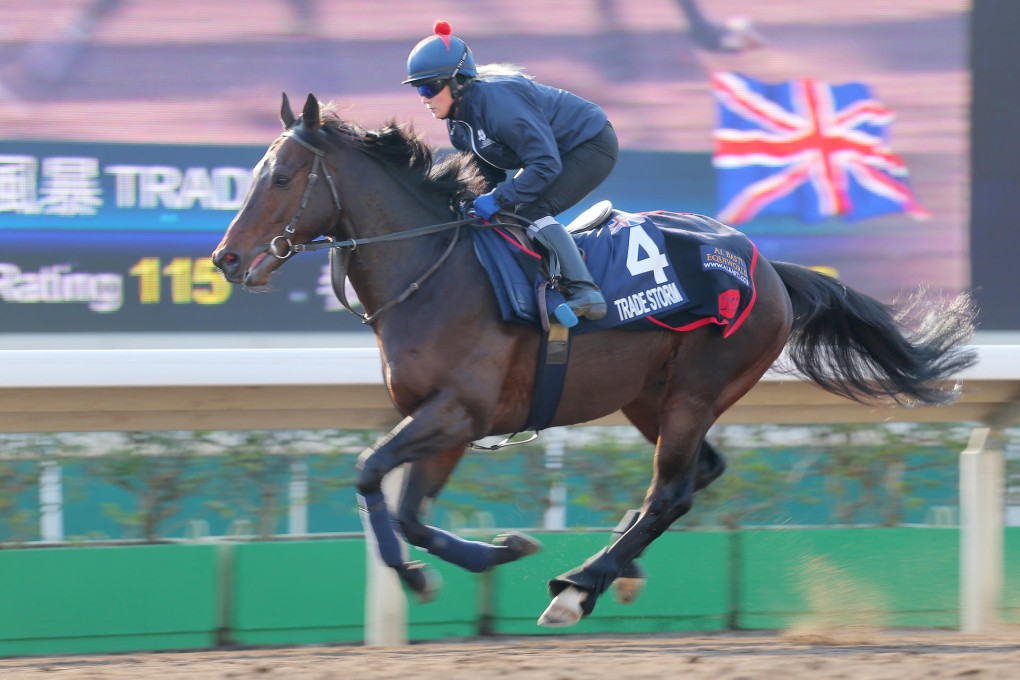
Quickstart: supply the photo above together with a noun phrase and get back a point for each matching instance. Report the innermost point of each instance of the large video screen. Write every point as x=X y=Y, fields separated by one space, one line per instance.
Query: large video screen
x=834 y=134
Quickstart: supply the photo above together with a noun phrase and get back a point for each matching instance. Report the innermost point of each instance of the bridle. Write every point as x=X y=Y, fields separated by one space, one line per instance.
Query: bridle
x=313 y=178
x=281 y=247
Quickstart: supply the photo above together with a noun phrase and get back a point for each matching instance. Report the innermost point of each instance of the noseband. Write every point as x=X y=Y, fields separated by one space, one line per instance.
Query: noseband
x=288 y=248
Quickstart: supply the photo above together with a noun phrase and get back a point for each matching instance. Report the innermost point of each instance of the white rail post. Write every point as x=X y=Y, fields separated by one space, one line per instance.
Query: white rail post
x=982 y=479
x=297 y=494
x=51 y=502
x=555 y=451
x=385 y=601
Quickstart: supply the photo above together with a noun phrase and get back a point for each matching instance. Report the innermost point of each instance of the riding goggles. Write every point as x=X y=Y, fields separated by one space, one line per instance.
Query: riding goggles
x=431 y=88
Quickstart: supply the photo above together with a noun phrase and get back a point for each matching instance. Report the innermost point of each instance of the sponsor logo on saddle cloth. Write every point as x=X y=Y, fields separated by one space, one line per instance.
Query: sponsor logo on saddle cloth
x=627 y=257
x=720 y=259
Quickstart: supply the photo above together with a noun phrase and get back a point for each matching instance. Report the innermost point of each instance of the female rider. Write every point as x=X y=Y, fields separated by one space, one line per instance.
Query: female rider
x=564 y=146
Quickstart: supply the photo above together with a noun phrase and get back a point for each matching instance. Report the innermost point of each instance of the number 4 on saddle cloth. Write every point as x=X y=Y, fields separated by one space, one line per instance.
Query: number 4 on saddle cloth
x=657 y=270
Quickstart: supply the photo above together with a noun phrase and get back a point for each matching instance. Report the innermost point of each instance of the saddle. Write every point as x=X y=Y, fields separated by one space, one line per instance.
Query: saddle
x=592 y=217
x=587 y=220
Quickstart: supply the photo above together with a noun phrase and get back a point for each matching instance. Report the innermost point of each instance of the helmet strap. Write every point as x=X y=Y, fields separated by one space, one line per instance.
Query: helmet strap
x=454 y=85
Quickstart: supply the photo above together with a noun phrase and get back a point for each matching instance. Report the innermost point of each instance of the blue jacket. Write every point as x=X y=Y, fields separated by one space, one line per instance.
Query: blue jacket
x=512 y=122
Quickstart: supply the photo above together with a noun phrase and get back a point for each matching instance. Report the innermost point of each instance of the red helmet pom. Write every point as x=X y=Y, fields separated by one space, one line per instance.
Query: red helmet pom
x=442 y=27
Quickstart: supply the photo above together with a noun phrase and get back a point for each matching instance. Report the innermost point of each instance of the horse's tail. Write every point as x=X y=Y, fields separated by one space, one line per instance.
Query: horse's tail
x=855 y=346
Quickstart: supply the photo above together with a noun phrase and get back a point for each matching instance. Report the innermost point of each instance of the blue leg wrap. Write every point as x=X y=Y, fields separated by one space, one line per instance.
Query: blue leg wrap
x=375 y=517
x=471 y=555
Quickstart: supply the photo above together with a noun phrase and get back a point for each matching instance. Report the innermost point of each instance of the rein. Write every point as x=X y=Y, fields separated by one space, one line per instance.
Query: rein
x=282 y=247
x=341 y=293
x=396 y=236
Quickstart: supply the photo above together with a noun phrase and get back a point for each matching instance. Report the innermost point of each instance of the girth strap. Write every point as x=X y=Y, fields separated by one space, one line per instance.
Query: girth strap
x=550 y=376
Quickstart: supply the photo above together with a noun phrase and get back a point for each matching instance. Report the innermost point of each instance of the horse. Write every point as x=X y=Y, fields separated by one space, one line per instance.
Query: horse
x=458 y=372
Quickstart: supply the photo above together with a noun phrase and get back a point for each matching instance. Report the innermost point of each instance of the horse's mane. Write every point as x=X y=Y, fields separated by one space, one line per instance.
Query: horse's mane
x=403 y=149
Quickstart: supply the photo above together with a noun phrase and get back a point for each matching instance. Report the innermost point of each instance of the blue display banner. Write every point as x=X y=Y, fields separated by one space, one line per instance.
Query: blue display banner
x=117 y=238
x=156 y=282
x=139 y=188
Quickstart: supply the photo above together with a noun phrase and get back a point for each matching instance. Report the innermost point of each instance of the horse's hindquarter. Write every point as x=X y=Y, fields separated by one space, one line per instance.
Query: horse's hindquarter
x=760 y=340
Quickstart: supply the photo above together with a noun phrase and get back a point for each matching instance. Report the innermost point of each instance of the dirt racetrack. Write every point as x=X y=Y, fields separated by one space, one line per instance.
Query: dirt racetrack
x=749 y=656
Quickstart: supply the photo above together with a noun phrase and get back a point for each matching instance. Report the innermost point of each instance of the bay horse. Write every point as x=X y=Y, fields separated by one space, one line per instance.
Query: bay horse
x=458 y=372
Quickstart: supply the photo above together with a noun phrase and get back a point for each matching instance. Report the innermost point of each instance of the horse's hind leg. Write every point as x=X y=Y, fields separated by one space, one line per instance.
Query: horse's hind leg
x=711 y=464
x=669 y=497
x=644 y=415
x=628 y=585
x=703 y=378
x=425 y=480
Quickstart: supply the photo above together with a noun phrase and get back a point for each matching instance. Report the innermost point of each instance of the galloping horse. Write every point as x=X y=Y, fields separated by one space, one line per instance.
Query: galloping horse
x=458 y=372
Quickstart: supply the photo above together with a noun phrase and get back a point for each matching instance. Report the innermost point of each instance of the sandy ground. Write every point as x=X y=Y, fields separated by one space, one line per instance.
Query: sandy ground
x=895 y=656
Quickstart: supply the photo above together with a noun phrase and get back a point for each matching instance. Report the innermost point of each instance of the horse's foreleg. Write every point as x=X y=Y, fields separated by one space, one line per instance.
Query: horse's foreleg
x=439 y=424
x=426 y=478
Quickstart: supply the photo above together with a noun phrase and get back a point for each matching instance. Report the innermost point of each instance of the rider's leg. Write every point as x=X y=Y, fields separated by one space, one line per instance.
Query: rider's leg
x=584 y=168
x=583 y=296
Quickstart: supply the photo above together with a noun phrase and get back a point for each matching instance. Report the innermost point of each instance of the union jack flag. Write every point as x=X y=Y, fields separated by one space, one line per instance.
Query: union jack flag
x=805 y=148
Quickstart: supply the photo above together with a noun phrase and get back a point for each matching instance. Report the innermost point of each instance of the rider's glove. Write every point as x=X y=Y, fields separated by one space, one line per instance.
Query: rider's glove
x=486 y=206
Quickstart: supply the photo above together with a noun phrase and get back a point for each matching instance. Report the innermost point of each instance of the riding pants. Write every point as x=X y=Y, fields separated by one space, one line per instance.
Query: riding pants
x=584 y=169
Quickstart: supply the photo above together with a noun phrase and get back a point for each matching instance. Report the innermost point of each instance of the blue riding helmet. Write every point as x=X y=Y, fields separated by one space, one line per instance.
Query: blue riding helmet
x=440 y=56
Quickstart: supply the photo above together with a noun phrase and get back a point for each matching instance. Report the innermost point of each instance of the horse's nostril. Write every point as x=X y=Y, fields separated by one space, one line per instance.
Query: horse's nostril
x=226 y=260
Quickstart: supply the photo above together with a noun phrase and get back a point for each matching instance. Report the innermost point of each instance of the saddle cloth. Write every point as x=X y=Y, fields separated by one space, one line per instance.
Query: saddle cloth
x=657 y=270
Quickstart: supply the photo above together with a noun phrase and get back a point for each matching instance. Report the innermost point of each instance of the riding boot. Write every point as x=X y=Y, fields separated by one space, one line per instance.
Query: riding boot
x=583 y=296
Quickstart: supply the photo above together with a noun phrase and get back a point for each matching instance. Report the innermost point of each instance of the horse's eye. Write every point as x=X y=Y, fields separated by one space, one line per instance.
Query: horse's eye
x=281 y=180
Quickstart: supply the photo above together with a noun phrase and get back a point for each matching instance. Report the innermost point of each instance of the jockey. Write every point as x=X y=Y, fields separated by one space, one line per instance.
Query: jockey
x=564 y=146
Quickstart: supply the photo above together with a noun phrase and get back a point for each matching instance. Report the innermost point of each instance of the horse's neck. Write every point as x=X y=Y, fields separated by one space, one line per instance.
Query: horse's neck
x=384 y=271
x=378 y=202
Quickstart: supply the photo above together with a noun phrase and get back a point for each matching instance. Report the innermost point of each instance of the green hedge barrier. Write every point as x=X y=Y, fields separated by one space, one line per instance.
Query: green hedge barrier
x=108 y=599
x=188 y=596
x=1011 y=581
x=307 y=592
x=897 y=577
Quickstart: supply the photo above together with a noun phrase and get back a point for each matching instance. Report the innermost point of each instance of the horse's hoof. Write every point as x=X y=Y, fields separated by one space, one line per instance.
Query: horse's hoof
x=518 y=545
x=564 y=610
x=626 y=590
x=422 y=580
x=629 y=584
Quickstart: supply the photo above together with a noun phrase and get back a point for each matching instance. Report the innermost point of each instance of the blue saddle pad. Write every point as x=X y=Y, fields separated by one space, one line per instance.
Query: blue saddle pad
x=658 y=270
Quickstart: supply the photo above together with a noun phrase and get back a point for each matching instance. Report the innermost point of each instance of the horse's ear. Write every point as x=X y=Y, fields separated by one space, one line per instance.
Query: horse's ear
x=310 y=116
x=286 y=114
